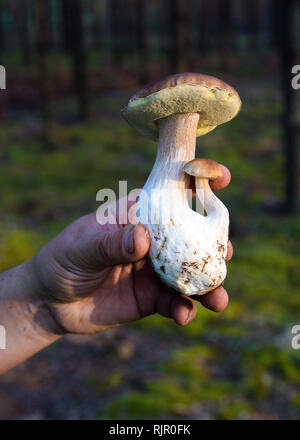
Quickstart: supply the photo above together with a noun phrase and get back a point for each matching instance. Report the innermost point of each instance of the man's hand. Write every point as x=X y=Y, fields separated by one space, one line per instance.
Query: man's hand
x=85 y=280
x=94 y=277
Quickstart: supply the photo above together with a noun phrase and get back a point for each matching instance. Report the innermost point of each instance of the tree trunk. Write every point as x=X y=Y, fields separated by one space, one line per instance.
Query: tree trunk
x=97 y=36
x=252 y=18
x=171 y=17
x=116 y=31
x=275 y=10
x=21 y=18
x=225 y=34
x=202 y=28
x=65 y=25
x=179 y=37
x=141 y=35
x=74 y=42
x=44 y=74
x=290 y=130
x=2 y=46
x=266 y=18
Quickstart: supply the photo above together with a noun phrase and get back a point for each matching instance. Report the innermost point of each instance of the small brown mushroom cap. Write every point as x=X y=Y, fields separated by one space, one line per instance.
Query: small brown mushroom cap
x=203 y=168
x=213 y=99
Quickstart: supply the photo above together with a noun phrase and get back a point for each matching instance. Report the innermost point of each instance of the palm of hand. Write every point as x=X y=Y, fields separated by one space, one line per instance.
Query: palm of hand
x=90 y=296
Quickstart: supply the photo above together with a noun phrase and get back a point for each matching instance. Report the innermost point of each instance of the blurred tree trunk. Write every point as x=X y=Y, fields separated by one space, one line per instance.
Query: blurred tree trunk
x=252 y=17
x=203 y=25
x=96 y=24
x=74 y=43
x=21 y=17
x=291 y=131
x=179 y=36
x=242 y=27
x=44 y=74
x=182 y=35
x=172 y=36
x=51 y=6
x=210 y=18
x=225 y=33
x=266 y=17
x=122 y=30
x=116 y=30
x=65 y=25
x=275 y=10
x=2 y=46
x=141 y=35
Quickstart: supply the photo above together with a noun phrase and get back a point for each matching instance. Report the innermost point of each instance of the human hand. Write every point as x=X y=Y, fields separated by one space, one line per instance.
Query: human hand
x=94 y=277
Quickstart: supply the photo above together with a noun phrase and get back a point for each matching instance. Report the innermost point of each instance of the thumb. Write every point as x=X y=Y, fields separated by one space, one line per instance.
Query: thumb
x=125 y=245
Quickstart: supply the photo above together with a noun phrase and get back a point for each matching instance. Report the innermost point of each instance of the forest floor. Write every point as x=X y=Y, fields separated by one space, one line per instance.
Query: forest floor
x=235 y=365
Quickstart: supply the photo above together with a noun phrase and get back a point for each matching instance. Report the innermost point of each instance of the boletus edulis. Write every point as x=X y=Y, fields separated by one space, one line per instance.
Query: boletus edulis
x=188 y=248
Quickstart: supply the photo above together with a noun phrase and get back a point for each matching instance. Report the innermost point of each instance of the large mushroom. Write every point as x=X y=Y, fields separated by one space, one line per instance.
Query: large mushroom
x=188 y=248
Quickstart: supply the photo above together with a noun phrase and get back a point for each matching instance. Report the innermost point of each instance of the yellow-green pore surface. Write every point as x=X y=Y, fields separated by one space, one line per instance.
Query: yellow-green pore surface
x=214 y=104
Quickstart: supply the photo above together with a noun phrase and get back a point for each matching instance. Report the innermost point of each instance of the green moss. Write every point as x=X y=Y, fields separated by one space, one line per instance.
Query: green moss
x=135 y=406
x=108 y=383
x=235 y=410
x=190 y=364
x=266 y=365
x=295 y=401
x=17 y=246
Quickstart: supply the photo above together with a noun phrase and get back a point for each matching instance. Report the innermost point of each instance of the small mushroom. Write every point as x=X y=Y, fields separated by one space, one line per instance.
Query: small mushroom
x=187 y=249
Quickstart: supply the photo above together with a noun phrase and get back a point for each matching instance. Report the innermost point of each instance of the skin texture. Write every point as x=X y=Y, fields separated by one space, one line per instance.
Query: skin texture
x=87 y=279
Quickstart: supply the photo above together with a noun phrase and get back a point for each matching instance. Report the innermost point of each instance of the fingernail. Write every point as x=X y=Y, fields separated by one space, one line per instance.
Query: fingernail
x=129 y=241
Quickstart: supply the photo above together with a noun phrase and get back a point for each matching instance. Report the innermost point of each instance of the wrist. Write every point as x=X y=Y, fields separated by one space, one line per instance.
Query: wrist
x=38 y=309
x=28 y=325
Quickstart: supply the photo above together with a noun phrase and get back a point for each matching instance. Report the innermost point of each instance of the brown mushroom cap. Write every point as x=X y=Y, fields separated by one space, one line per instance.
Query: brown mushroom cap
x=203 y=168
x=216 y=101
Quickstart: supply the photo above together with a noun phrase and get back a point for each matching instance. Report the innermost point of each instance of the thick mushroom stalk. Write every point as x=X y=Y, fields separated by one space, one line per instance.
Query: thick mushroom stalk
x=176 y=146
x=188 y=248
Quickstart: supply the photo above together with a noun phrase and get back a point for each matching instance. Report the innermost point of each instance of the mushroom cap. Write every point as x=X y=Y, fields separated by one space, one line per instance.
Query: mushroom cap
x=203 y=168
x=216 y=101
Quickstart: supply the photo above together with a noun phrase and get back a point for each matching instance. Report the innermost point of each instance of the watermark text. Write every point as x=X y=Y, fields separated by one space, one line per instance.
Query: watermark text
x=2 y=78
x=296 y=78
x=2 y=338
x=296 y=337
x=141 y=206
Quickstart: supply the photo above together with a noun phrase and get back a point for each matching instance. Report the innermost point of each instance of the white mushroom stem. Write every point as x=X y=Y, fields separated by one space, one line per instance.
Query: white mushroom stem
x=212 y=205
x=176 y=146
x=187 y=249
x=217 y=216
